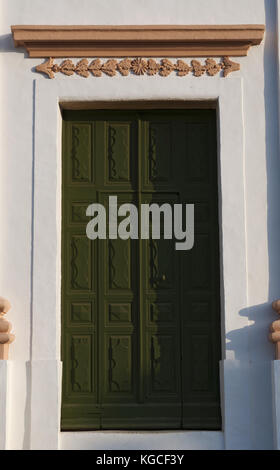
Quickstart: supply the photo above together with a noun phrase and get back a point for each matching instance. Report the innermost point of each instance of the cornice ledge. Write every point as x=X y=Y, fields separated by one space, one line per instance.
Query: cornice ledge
x=139 y=41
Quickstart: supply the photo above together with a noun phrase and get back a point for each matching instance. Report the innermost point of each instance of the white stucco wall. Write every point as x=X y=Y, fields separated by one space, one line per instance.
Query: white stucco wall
x=248 y=354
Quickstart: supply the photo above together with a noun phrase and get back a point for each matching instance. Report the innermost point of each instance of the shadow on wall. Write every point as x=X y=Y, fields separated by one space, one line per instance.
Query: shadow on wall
x=260 y=350
x=262 y=315
x=272 y=149
x=237 y=339
x=257 y=391
x=7 y=45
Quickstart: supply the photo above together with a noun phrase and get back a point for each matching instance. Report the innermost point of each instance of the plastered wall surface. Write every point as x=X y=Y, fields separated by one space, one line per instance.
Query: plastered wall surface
x=246 y=346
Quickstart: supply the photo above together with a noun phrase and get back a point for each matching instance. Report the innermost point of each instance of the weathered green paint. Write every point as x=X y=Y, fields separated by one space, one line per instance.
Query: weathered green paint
x=141 y=322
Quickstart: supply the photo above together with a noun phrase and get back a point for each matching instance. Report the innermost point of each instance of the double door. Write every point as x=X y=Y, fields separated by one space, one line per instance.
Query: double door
x=140 y=320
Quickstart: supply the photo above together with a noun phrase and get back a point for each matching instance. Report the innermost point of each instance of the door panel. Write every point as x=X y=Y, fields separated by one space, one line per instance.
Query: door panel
x=141 y=321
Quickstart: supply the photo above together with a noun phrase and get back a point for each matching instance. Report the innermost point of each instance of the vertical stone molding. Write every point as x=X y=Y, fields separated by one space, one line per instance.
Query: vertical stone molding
x=6 y=338
x=274 y=335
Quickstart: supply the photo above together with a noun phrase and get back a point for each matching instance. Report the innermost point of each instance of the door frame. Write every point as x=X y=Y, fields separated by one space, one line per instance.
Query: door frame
x=46 y=366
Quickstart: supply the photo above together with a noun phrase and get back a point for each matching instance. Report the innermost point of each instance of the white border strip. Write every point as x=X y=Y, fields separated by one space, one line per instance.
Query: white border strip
x=46 y=370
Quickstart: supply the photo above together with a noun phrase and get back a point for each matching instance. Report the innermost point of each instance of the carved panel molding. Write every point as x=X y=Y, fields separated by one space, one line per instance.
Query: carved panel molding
x=138 y=66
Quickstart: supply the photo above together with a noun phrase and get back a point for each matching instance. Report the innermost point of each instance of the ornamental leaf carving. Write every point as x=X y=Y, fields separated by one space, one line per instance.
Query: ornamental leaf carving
x=67 y=67
x=82 y=68
x=166 y=67
x=47 y=68
x=229 y=66
x=124 y=66
x=110 y=67
x=198 y=69
x=182 y=68
x=95 y=68
x=153 y=67
x=212 y=68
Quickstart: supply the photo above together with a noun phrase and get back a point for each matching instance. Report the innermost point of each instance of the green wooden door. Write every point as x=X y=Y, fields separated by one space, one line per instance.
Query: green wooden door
x=140 y=320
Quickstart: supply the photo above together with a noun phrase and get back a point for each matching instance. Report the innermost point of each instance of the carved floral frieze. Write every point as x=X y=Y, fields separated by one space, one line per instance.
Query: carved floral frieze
x=138 y=66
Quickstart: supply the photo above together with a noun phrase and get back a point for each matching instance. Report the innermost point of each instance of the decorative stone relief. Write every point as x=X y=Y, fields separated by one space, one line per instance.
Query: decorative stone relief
x=274 y=335
x=6 y=338
x=138 y=66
